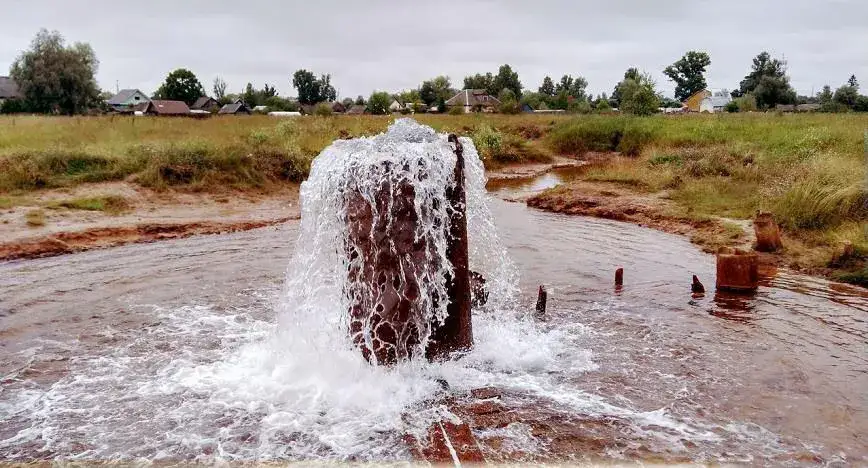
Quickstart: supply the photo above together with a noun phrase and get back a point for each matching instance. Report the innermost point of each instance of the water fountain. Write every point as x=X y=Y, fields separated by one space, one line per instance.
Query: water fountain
x=394 y=210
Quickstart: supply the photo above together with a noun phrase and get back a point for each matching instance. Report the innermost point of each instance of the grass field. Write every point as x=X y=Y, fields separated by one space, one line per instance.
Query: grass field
x=808 y=169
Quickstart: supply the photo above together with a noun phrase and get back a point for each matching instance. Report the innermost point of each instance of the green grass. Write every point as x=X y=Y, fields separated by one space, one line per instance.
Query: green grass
x=113 y=204
x=35 y=218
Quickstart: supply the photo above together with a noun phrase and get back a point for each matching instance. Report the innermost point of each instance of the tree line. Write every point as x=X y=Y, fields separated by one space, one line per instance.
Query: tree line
x=54 y=77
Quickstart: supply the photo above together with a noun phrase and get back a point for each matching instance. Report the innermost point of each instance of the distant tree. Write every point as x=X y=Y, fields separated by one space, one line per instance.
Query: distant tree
x=378 y=103
x=688 y=73
x=250 y=96
x=564 y=85
x=277 y=103
x=578 y=87
x=347 y=102
x=219 y=88
x=54 y=77
x=508 y=102
x=846 y=95
x=603 y=105
x=861 y=104
x=311 y=89
x=409 y=96
x=853 y=82
x=533 y=99
x=181 y=85
x=671 y=103
x=548 y=87
x=638 y=95
x=507 y=79
x=768 y=82
x=632 y=73
x=772 y=91
x=441 y=105
x=479 y=81
x=360 y=100
x=435 y=89
x=825 y=95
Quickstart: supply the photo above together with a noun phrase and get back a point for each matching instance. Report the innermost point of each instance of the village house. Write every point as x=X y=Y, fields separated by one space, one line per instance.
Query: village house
x=716 y=103
x=235 y=108
x=8 y=89
x=395 y=106
x=336 y=107
x=166 y=108
x=694 y=102
x=126 y=99
x=206 y=103
x=473 y=100
x=356 y=109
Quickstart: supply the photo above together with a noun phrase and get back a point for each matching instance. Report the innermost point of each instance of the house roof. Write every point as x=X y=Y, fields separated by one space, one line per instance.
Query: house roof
x=472 y=97
x=8 y=88
x=123 y=96
x=703 y=92
x=168 y=107
x=718 y=101
x=202 y=102
x=356 y=109
x=233 y=108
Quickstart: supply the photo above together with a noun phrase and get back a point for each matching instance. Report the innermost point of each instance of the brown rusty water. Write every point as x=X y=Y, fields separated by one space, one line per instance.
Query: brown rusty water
x=102 y=355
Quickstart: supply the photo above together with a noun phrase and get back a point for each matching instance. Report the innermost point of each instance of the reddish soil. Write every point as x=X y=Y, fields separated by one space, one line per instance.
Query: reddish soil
x=151 y=216
x=654 y=211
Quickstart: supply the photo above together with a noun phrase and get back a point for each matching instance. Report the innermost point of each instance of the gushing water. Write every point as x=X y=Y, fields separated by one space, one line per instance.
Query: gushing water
x=235 y=363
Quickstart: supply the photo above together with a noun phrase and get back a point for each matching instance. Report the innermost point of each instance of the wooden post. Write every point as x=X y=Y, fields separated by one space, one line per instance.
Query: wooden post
x=619 y=277
x=768 y=235
x=541 y=300
x=384 y=291
x=697 y=287
x=737 y=271
x=456 y=332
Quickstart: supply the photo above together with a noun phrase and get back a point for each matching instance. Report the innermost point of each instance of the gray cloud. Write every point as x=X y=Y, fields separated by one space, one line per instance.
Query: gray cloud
x=393 y=45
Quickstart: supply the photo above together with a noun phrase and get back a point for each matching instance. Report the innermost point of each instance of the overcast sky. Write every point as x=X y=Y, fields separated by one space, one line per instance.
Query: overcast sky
x=393 y=45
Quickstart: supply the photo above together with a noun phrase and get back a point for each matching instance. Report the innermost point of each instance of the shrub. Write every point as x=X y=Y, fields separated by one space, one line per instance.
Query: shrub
x=323 y=109
x=732 y=107
x=582 y=134
x=488 y=142
x=861 y=104
x=818 y=202
x=746 y=103
x=456 y=110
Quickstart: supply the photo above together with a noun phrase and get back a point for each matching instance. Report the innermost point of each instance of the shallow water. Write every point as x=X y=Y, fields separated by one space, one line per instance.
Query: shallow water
x=164 y=352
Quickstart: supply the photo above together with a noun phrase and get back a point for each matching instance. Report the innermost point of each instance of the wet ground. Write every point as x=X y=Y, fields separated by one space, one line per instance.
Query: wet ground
x=109 y=355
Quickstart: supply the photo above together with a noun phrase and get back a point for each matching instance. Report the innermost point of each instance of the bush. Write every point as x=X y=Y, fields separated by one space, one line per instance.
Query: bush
x=488 y=142
x=13 y=106
x=746 y=103
x=597 y=133
x=732 y=107
x=323 y=109
x=824 y=195
x=456 y=110
x=861 y=104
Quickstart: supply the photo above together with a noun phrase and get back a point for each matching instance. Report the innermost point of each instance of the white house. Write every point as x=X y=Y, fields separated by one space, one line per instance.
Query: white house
x=715 y=103
x=395 y=106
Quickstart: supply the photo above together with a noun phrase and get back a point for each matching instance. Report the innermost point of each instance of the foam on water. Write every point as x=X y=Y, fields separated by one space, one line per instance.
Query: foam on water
x=207 y=384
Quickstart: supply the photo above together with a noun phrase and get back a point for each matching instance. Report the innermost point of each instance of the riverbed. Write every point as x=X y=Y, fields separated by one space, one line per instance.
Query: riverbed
x=145 y=351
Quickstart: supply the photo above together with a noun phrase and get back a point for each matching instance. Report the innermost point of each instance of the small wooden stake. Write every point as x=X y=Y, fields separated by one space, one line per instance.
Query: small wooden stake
x=541 y=301
x=619 y=277
x=697 y=287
